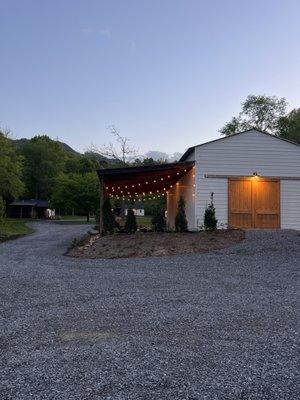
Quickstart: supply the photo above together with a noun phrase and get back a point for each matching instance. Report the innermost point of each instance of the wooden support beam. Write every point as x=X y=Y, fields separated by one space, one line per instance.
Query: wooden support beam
x=285 y=178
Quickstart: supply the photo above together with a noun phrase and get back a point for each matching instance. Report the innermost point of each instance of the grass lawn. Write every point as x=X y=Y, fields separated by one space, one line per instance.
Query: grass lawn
x=75 y=219
x=79 y=219
x=12 y=228
x=144 y=221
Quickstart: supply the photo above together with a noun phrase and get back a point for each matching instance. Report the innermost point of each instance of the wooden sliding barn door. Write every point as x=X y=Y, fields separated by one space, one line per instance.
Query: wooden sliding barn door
x=254 y=203
x=240 y=203
x=266 y=199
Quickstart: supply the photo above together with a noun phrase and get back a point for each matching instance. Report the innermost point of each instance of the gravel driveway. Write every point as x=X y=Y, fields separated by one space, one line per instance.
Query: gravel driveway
x=216 y=326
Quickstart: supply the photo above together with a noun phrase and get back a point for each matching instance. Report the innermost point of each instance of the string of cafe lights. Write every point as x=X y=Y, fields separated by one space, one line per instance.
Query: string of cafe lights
x=143 y=196
x=128 y=191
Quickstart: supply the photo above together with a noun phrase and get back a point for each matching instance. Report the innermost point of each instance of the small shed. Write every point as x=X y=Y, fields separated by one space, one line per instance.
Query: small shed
x=34 y=208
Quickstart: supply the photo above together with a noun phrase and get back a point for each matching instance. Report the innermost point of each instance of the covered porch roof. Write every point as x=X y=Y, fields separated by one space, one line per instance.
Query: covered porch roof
x=144 y=180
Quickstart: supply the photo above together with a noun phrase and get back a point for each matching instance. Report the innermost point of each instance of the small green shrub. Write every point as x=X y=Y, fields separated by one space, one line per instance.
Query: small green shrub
x=181 y=224
x=2 y=209
x=97 y=219
x=76 y=242
x=109 y=223
x=130 y=223
x=210 y=221
x=158 y=221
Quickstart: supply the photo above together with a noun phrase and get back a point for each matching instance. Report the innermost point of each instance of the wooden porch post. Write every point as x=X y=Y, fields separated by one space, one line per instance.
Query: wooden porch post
x=101 y=206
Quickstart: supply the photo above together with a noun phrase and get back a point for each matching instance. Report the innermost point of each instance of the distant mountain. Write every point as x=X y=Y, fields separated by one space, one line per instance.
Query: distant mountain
x=19 y=143
x=99 y=158
x=161 y=156
x=155 y=155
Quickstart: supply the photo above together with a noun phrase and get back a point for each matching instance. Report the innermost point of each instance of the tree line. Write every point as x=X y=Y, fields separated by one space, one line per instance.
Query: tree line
x=42 y=168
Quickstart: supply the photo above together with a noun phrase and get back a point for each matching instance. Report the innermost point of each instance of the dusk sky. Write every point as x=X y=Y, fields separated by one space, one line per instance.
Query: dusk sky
x=167 y=73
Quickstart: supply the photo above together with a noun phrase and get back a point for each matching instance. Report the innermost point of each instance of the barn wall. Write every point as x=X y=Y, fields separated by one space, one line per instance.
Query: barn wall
x=242 y=155
x=290 y=204
x=184 y=187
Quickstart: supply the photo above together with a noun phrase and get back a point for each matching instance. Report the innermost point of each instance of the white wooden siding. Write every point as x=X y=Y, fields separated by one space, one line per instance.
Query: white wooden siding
x=290 y=204
x=242 y=155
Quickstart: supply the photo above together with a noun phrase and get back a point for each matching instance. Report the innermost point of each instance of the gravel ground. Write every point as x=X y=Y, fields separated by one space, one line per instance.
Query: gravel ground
x=211 y=326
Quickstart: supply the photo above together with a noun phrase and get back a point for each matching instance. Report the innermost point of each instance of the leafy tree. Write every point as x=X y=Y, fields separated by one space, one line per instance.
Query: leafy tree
x=289 y=126
x=44 y=160
x=260 y=112
x=210 y=221
x=109 y=223
x=64 y=194
x=149 y=161
x=181 y=224
x=78 y=191
x=130 y=223
x=80 y=164
x=11 y=185
x=159 y=221
x=151 y=206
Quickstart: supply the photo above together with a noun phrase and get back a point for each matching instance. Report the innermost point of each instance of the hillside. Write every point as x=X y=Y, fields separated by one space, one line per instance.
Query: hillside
x=19 y=143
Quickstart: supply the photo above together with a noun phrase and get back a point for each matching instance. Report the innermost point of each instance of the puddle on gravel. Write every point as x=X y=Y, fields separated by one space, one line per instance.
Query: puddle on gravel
x=67 y=336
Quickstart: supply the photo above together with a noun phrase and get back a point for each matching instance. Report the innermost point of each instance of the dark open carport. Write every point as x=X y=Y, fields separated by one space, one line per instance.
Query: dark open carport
x=142 y=182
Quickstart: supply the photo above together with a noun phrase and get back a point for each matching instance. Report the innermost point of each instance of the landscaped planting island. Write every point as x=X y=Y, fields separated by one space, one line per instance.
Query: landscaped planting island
x=151 y=244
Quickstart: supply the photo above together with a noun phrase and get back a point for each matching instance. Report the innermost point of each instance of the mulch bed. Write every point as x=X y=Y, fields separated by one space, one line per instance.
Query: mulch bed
x=153 y=244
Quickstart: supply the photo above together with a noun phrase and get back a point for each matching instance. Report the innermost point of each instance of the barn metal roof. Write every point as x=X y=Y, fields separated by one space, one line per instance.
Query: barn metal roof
x=31 y=203
x=191 y=149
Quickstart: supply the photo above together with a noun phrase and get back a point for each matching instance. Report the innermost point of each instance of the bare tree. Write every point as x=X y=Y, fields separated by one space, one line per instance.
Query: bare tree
x=121 y=151
x=5 y=131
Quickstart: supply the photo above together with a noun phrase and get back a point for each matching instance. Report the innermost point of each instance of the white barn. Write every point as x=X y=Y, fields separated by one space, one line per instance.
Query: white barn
x=254 y=178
